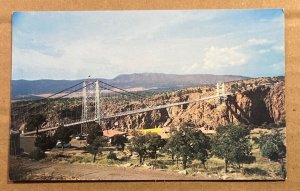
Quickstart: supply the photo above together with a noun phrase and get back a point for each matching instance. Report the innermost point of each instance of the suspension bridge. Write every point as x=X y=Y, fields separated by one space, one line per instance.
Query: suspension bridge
x=92 y=94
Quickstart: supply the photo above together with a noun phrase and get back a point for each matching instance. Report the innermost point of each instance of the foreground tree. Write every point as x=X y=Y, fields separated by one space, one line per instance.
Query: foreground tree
x=171 y=147
x=95 y=147
x=119 y=141
x=154 y=142
x=188 y=144
x=94 y=131
x=139 y=145
x=272 y=147
x=201 y=145
x=63 y=134
x=34 y=122
x=231 y=143
x=45 y=142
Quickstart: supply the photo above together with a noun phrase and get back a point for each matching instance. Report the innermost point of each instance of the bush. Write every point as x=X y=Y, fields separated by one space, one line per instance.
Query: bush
x=111 y=156
x=37 y=154
x=45 y=142
x=158 y=164
x=255 y=171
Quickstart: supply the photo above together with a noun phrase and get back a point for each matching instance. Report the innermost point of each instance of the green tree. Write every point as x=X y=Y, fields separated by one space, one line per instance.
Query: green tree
x=272 y=147
x=171 y=147
x=34 y=122
x=139 y=145
x=95 y=147
x=44 y=142
x=188 y=144
x=63 y=134
x=154 y=142
x=94 y=131
x=119 y=141
x=231 y=143
x=201 y=145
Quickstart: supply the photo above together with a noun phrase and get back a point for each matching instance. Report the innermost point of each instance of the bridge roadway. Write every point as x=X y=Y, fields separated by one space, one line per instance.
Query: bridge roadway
x=130 y=113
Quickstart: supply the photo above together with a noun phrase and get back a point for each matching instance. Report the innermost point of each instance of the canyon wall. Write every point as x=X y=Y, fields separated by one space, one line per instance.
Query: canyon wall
x=254 y=101
x=257 y=105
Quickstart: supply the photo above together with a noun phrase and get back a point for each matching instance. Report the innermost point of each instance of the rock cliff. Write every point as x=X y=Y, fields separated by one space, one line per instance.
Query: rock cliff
x=255 y=101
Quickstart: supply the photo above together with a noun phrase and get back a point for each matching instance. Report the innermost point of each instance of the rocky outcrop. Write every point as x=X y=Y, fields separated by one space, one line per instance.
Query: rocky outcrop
x=254 y=101
x=259 y=105
x=262 y=103
x=275 y=103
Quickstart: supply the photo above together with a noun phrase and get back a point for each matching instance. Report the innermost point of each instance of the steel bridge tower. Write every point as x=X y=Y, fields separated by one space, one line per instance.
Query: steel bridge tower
x=220 y=91
x=90 y=103
x=97 y=103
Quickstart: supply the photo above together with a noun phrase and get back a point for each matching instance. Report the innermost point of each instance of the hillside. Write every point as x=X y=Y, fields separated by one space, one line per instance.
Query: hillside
x=26 y=88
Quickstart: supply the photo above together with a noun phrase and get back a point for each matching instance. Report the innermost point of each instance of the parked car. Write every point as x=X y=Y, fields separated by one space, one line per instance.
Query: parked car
x=59 y=145
x=81 y=137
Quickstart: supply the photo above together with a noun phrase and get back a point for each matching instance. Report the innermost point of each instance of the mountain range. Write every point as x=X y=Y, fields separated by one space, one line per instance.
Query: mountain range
x=25 y=88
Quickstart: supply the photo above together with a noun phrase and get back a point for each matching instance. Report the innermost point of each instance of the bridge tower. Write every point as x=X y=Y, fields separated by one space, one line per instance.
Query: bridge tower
x=88 y=101
x=220 y=91
x=91 y=103
x=97 y=103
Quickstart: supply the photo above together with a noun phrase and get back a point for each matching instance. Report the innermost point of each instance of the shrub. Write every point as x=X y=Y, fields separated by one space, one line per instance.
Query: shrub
x=111 y=156
x=37 y=154
x=255 y=171
x=45 y=142
x=158 y=164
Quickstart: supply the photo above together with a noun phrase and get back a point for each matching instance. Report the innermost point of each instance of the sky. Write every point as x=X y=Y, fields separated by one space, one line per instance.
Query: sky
x=105 y=44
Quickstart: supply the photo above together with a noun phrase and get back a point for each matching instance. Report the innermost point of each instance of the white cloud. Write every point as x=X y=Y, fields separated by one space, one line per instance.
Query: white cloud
x=259 y=41
x=278 y=66
x=108 y=43
x=216 y=58
x=263 y=51
x=278 y=48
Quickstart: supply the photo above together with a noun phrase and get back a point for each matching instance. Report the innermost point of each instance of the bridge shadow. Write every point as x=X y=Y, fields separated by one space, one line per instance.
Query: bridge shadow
x=258 y=112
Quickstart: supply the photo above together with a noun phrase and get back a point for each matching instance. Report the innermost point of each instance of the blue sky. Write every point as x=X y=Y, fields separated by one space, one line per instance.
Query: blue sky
x=104 y=44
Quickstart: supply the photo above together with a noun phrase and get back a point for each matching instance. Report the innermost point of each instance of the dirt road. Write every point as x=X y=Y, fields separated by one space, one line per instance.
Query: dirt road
x=65 y=171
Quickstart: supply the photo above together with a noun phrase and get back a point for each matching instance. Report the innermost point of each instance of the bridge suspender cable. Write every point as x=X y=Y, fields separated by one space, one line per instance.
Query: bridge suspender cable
x=63 y=90
x=77 y=90
x=122 y=89
x=51 y=95
x=131 y=95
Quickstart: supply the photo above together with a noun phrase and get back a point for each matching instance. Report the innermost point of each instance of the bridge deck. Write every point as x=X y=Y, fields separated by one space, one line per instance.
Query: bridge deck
x=130 y=113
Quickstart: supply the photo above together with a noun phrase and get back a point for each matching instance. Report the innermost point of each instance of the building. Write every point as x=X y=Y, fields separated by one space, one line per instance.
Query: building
x=14 y=142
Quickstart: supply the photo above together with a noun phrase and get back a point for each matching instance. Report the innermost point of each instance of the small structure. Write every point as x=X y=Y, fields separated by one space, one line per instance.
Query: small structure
x=164 y=135
x=14 y=142
x=110 y=133
x=207 y=131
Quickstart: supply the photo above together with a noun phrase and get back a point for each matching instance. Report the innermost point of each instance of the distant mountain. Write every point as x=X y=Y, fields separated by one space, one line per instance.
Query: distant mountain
x=25 y=88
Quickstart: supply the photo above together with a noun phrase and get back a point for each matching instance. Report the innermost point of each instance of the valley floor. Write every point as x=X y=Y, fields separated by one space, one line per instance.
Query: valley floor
x=27 y=170
x=76 y=164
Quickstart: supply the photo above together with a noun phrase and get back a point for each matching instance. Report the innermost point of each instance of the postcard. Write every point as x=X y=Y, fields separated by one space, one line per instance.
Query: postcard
x=152 y=95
